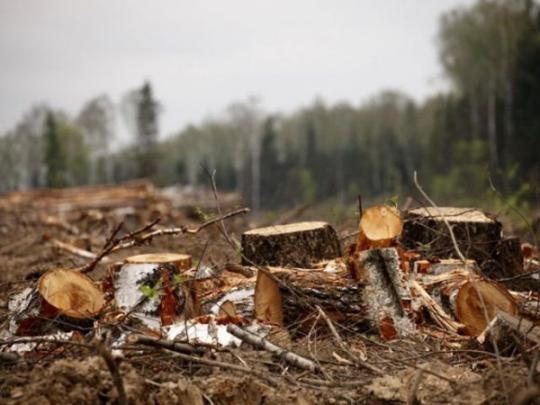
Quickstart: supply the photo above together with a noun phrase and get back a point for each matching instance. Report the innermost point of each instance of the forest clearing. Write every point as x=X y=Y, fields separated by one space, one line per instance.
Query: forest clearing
x=120 y=294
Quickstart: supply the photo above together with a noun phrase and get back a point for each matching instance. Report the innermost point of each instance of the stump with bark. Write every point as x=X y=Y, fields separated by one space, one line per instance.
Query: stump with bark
x=153 y=289
x=63 y=299
x=300 y=244
x=477 y=235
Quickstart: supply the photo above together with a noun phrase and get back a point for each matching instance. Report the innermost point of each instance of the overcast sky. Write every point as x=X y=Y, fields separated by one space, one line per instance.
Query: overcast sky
x=201 y=55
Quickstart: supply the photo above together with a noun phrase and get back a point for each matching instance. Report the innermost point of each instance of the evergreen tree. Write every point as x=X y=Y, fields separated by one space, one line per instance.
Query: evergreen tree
x=147 y=112
x=54 y=154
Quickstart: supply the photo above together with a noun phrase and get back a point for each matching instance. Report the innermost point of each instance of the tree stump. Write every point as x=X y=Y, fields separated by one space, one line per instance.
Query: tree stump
x=300 y=244
x=152 y=288
x=508 y=258
x=477 y=235
x=63 y=299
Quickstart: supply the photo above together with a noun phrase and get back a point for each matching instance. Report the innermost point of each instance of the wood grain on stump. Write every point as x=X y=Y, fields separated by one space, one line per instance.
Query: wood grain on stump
x=71 y=293
x=379 y=226
x=296 y=245
x=479 y=301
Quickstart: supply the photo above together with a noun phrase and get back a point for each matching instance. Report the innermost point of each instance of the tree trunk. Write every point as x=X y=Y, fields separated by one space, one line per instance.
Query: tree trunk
x=492 y=126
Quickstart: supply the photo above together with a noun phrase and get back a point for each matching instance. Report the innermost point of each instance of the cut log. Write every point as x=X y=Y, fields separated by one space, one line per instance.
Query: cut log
x=300 y=291
x=379 y=227
x=477 y=234
x=300 y=244
x=153 y=289
x=505 y=330
x=478 y=302
x=385 y=295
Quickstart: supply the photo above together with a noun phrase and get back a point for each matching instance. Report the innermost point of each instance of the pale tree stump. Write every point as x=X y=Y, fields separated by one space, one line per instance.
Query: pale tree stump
x=300 y=244
x=153 y=288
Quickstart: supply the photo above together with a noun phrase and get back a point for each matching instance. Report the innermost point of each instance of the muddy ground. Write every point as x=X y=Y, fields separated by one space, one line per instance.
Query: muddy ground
x=427 y=368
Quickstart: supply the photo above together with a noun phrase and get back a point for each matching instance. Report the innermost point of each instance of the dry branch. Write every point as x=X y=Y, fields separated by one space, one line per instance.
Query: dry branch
x=263 y=344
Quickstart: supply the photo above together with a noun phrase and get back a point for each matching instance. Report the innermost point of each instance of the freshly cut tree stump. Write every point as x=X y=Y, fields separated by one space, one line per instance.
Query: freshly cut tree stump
x=479 y=301
x=300 y=244
x=62 y=299
x=181 y=261
x=299 y=292
x=477 y=234
x=71 y=293
x=379 y=227
x=153 y=289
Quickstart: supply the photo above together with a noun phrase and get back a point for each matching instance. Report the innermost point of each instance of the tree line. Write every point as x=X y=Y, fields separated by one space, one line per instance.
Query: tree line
x=484 y=132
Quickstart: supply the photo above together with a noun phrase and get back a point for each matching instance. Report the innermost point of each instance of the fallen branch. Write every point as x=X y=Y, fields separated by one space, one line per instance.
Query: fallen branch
x=207 y=362
x=261 y=343
x=176 y=231
x=160 y=344
x=134 y=239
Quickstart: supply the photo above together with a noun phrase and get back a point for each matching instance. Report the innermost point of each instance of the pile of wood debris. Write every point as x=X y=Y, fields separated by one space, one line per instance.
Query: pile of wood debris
x=445 y=275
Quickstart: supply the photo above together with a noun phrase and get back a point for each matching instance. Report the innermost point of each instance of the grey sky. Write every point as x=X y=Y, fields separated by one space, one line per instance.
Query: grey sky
x=201 y=55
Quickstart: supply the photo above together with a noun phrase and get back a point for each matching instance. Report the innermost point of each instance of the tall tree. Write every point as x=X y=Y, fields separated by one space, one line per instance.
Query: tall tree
x=97 y=120
x=55 y=159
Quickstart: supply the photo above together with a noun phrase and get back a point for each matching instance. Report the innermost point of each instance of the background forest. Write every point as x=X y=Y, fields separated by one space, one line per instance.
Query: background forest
x=482 y=134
